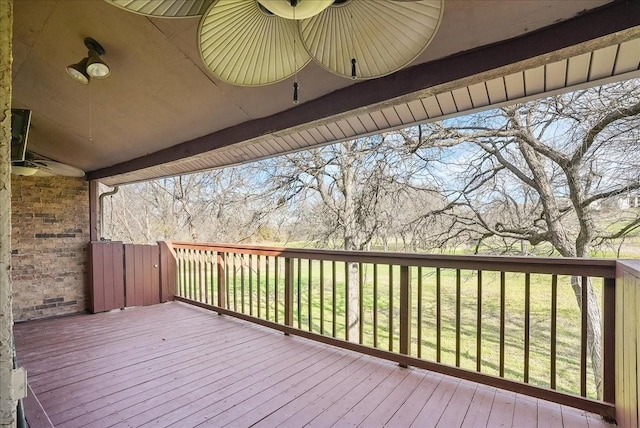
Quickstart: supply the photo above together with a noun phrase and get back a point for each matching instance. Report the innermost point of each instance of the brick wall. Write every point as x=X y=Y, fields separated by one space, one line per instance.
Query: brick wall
x=49 y=240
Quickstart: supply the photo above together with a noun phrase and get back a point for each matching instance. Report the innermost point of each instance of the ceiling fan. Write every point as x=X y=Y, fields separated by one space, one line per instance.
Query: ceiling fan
x=260 y=42
x=41 y=167
x=25 y=162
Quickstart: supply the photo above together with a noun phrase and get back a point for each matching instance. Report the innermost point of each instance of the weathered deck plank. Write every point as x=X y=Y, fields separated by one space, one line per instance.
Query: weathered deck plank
x=177 y=365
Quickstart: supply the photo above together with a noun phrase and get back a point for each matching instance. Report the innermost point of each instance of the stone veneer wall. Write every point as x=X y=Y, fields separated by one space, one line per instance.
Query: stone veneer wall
x=49 y=246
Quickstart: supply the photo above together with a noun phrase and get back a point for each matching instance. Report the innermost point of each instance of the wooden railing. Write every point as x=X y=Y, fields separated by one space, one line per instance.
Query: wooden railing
x=510 y=322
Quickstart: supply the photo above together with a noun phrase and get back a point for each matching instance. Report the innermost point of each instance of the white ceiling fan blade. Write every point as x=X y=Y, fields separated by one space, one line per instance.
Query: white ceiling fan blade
x=47 y=168
x=164 y=8
x=242 y=44
x=381 y=36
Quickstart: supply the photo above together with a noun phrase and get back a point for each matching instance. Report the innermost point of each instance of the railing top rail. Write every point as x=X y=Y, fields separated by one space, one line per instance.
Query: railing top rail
x=593 y=267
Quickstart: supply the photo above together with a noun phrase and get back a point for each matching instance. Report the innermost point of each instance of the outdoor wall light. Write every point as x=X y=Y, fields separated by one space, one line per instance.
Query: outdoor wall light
x=91 y=66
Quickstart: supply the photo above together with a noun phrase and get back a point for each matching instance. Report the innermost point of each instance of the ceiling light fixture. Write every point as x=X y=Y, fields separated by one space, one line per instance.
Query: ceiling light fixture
x=79 y=71
x=295 y=9
x=91 y=66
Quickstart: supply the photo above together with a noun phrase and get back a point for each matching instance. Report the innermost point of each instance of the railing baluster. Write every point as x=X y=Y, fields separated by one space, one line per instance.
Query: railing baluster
x=346 y=301
x=554 y=325
x=187 y=279
x=187 y=274
x=235 y=282
x=190 y=274
x=267 y=297
x=181 y=270
x=250 y=267
x=391 y=308
x=321 y=296
x=258 y=282
x=226 y=279
x=215 y=279
x=196 y=275
x=202 y=266
x=288 y=292
x=242 y=291
x=527 y=323
x=333 y=298
x=405 y=312
x=183 y=278
x=299 y=299
x=419 y=314
x=212 y=291
x=222 y=260
x=583 y=336
x=502 y=309
x=360 y=304
x=203 y=278
x=375 y=305
x=458 y=317
x=208 y=286
x=207 y=278
x=438 y=316
x=276 y=297
x=178 y=273
x=309 y=299
x=479 y=324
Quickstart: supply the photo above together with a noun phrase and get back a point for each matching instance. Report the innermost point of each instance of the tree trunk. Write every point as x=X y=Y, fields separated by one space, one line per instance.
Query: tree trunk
x=594 y=329
x=353 y=296
x=561 y=240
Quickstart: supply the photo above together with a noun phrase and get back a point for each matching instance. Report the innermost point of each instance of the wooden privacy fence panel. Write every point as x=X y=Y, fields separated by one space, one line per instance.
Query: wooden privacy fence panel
x=628 y=344
x=107 y=280
x=469 y=316
x=142 y=274
x=130 y=275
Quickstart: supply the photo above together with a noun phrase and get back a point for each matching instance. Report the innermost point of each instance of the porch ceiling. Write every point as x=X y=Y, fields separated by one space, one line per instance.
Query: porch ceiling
x=161 y=113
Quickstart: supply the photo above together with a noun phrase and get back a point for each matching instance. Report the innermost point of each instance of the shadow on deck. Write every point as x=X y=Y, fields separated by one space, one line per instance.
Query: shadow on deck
x=177 y=365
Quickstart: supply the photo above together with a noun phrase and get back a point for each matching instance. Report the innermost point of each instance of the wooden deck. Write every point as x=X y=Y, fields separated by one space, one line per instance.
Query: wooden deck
x=177 y=365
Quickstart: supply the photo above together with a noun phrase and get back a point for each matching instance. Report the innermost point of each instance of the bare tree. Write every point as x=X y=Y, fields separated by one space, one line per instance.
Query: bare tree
x=350 y=191
x=534 y=174
x=210 y=206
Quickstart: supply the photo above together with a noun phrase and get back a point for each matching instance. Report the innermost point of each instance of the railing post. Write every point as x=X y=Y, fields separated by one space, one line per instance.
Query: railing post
x=405 y=312
x=288 y=292
x=609 y=339
x=222 y=283
x=168 y=271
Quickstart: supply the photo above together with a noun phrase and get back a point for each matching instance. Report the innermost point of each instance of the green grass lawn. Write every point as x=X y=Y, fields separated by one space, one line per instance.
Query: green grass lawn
x=252 y=288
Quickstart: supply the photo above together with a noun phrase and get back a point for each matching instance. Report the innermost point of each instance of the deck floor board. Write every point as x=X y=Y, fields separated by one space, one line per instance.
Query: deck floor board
x=182 y=366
